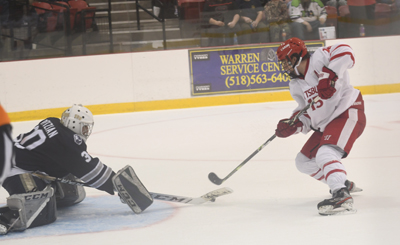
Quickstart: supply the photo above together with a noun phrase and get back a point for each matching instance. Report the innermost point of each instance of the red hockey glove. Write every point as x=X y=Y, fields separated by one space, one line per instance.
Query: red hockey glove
x=326 y=85
x=283 y=129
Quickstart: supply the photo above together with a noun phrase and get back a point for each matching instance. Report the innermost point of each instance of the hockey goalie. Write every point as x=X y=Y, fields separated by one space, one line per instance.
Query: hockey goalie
x=57 y=147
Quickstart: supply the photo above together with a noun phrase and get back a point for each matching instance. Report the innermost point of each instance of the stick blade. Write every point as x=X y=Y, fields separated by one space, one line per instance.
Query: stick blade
x=214 y=178
x=212 y=195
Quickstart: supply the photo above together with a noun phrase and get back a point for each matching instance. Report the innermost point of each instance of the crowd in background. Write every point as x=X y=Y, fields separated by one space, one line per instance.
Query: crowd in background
x=222 y=23
x=227 y=22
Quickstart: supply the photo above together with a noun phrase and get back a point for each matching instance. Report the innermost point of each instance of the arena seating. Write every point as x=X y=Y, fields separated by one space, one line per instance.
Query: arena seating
x=191 y=9
x=344 y=11
x=332 y=16
x=83 y=7
x=48 y=18
x=61 y=9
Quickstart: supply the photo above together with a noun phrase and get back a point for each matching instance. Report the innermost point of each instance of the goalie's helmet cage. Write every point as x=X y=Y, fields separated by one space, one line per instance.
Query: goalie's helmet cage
x=79 y=119
x=293 y=47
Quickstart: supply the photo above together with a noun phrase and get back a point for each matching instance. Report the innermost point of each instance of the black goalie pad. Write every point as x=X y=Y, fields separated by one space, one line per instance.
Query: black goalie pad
x=131 y=190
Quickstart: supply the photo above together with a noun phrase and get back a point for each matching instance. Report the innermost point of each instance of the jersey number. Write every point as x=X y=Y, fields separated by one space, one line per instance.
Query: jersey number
x=316 y=105
x=31 y=140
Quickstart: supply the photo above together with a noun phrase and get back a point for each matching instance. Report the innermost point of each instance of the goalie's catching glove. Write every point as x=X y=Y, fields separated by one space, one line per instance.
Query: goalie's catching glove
x=326 y=85
x=284 y=129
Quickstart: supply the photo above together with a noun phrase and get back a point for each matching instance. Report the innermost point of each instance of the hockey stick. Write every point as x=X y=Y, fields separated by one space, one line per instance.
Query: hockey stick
x=210 y=196
x=216 y=180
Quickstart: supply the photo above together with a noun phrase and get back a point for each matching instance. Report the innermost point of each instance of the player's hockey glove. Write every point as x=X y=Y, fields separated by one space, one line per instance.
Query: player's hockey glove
x=326 y=85
x=284 y=129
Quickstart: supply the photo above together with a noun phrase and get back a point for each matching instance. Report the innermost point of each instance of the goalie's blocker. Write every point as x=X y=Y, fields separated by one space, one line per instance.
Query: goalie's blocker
x=131 y=190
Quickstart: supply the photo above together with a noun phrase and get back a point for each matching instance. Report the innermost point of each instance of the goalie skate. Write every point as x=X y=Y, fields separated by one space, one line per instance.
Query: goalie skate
x=340 y=203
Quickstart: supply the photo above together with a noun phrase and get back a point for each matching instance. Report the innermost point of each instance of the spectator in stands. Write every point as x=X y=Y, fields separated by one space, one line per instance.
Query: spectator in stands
x=254 y=29
x=307 y=16
x=220 y=18
x=361 y=12
x=336 y=3
x=263 y=2
x=277 y=14
x=170 y=6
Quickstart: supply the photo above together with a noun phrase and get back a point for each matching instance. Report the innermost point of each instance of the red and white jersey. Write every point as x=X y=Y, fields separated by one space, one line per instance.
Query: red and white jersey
x=339 y=58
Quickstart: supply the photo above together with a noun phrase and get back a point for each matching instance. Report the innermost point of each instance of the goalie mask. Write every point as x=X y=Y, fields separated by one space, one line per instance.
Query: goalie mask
x=79 y=119
x=290 y=54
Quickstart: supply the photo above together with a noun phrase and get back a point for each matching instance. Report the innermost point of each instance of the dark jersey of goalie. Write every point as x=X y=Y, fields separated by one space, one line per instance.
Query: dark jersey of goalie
x=56 y=150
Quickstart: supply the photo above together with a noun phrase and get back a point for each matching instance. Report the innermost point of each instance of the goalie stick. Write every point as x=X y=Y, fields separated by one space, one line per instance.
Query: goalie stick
x=210 y=196
x=218 y=181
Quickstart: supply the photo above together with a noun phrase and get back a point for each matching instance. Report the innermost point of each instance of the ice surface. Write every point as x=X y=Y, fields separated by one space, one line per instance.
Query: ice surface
x=173 y=151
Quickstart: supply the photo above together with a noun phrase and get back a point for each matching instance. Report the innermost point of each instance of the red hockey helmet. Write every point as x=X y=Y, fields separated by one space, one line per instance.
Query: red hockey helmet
x=293 y=47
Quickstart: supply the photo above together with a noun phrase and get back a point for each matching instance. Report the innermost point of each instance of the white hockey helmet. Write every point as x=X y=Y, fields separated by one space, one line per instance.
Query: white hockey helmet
x=79 y=119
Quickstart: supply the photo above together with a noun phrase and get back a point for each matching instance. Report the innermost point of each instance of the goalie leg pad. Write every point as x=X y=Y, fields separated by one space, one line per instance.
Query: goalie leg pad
x=28 y=192
x=131 y=190
x=29 y=206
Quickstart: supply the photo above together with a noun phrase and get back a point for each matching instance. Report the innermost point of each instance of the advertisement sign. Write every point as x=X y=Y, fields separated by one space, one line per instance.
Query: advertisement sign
x=327 y=33
x=238 y=69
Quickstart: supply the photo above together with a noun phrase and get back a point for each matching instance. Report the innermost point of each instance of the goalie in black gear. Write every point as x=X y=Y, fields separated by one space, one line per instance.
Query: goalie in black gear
x=56 y=148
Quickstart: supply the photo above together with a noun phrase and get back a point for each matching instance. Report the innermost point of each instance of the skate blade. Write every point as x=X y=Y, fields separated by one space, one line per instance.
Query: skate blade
x=356 y=189
x=344 y=209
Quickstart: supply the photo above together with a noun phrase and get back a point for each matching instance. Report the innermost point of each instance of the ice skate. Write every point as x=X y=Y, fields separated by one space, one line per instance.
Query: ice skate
x=351 y=186
x=340 y=203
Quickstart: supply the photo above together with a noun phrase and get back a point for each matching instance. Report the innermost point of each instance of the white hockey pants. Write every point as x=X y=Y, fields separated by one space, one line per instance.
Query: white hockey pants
x=325 y=167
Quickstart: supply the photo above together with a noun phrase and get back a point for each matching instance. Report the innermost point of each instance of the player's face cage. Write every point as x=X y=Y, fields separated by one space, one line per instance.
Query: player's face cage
x=286 y=67
x=86 y=129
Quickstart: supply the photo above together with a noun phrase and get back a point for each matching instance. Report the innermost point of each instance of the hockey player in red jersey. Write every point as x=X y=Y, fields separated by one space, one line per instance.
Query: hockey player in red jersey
x=57 y=148
x=337 y=118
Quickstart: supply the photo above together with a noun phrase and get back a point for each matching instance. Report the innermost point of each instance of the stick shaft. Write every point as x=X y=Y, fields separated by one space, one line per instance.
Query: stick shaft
x=291 y=121
x=158 y=196
x=249 y=157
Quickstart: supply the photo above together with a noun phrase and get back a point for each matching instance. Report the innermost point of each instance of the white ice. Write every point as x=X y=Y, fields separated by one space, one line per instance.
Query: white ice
x=173 y=151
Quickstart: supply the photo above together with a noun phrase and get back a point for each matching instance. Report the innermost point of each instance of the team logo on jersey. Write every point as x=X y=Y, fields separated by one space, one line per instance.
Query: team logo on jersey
x=78 y=140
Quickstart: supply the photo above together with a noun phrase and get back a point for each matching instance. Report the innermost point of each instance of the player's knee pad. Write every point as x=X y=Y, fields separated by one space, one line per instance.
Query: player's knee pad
x=305 y=165
x=328 y=153
x=33 y=209
x=68 y=195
